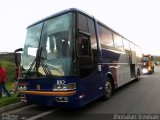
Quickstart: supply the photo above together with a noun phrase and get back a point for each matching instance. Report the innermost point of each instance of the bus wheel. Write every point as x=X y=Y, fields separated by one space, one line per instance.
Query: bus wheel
x=153 y=70
x=108 y=89
x=138 y=75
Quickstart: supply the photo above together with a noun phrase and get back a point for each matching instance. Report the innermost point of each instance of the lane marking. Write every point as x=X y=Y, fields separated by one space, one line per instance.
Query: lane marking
x=43 y=114
x=20 y=109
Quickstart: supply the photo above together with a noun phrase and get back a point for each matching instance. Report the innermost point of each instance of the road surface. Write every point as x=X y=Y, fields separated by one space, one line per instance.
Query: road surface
x=136 y=100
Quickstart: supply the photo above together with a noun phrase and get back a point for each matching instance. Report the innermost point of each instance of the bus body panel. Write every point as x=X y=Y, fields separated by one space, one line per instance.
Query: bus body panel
x=116 y=64
x=87 y=90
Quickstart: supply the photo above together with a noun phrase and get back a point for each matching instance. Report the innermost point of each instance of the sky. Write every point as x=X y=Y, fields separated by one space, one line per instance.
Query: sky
x=137 y=20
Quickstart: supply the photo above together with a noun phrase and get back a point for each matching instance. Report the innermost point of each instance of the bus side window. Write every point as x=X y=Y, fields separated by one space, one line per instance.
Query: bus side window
x=84 y=46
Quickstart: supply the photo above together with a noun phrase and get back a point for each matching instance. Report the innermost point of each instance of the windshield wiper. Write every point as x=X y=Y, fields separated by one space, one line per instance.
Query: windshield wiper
x=30 y=69
x=37 y=62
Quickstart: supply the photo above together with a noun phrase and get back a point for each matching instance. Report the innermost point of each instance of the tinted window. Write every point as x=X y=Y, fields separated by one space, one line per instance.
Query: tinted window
x=126 y=44
x=82 y=22
x=92 y=32
x=118 y=41
x=86 y=24
x=105 y=36
x=93 y=42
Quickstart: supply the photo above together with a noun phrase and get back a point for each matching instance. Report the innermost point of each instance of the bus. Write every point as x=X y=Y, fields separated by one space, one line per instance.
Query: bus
x=147 y=64
x=71 y=59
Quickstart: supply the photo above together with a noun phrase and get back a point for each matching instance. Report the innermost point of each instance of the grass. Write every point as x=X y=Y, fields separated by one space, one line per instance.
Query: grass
x=5 y=100
x=8 y=100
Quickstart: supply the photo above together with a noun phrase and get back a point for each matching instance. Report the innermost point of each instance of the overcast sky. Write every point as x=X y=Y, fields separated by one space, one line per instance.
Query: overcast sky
x=137 y=20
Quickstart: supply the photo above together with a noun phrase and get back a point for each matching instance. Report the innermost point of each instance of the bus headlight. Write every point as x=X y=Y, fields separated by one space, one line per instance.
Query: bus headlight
x=22 y=87
x=64 y=87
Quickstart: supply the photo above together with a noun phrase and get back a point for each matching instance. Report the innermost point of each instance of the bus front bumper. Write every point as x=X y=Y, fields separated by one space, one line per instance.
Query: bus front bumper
x=67 y=99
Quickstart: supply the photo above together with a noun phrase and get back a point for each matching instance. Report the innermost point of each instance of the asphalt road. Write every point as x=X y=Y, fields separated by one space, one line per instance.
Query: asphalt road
x=135 y=100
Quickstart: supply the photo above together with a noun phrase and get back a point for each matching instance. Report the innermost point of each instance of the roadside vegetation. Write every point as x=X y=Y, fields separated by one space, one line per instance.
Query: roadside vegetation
x=5 y=100
x=11 y=78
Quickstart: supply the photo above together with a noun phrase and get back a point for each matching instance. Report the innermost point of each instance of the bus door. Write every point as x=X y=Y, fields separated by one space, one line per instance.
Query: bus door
x=129 y=67
x=132 y=66
x=132 y=60
x=87 y=65
x=84 y=56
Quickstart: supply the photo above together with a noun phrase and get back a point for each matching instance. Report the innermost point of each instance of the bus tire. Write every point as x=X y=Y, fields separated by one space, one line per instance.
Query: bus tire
x=108 y=89
x=153 y=70
x=138 y=75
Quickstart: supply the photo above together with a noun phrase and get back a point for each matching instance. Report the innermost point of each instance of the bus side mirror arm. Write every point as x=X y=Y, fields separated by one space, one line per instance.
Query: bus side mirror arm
x=15 y=55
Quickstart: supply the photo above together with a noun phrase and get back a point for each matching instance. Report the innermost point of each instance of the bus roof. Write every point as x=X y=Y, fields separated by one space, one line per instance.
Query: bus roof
x=80 y=11
x=60 y=13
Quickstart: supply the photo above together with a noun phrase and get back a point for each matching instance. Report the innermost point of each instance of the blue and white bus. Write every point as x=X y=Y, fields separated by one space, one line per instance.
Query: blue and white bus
x=70 y=59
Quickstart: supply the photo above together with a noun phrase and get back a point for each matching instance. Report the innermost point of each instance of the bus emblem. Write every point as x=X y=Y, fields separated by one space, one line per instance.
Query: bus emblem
x=60 y=81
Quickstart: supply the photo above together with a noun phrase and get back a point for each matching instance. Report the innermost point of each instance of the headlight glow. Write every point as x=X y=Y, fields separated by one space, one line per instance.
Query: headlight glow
x=22 y=87
x=144 y=71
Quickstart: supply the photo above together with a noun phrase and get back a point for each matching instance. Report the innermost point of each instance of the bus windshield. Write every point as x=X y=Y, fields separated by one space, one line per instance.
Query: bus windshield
x=56 y=40
x=146 y=59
